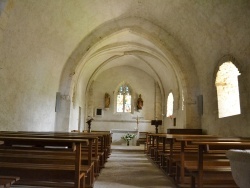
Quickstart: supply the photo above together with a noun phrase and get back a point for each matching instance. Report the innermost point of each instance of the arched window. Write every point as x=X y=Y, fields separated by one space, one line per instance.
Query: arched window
x=123 y=98
x=228 y=90
x=170 y=105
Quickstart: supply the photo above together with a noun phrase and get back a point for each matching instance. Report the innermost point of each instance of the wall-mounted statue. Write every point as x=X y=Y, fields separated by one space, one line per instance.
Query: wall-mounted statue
x=107 y=100
x=139 y=103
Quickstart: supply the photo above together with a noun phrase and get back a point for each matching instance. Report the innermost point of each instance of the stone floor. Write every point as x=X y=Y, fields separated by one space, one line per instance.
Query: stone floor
x=129 y=167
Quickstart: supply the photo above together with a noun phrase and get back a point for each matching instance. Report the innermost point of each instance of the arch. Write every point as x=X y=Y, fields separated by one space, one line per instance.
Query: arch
x=227 y=58
x=88 y=49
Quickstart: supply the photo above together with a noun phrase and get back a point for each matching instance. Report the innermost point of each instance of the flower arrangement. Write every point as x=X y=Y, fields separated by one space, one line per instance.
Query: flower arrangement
x=127 y=137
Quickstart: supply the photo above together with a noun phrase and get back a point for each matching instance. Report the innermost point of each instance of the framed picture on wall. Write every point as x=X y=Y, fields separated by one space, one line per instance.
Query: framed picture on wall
x=98 y=112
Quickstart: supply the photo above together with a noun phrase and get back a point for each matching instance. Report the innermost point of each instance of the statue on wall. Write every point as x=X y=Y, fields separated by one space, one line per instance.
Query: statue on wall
x=107 y=100
x=139 y=103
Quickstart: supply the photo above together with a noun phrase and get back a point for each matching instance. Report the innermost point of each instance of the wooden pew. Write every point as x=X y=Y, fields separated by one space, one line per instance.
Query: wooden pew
x=163 y=149
x=185 y=131
x=142 y=139
x=105 y=138
x=99 y=148
x=160 y=149
x=44 y=158
x=182 y=150
x=7 y=181
x=74 y=171
x=105 y=144
x=215 y=164
x=223 y=144
x=154 y=146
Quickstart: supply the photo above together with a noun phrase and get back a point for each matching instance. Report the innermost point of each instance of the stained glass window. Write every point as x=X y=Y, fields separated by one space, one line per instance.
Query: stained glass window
x=123 y=99
x=127 y=103
x=119 y=103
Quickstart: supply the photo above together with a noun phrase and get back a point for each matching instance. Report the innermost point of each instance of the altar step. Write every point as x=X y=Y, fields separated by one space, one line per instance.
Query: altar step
x=127 y=148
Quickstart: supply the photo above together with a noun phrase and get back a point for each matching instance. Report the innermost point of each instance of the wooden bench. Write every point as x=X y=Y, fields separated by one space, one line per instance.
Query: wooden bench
x=222 y=144
x=7 y=181
x=44 y=158
x=142 y=139
x=185 y=131
x=104 y=145
x=178 y=145
x=209 y=162
x=194 y=164
x=153 y=145
x=98 y=154
x=156 y=142
x=52 y=170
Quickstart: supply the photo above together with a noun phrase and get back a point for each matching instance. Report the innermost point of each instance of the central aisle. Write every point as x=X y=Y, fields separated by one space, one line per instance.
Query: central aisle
x=130 y=169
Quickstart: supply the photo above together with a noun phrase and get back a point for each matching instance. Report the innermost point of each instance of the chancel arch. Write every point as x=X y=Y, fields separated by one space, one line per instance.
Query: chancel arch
x=136 y=49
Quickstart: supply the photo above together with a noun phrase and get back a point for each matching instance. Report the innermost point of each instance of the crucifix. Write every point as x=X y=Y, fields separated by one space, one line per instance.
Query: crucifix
x=137 y=121
x=89 y=124
x=156 y=123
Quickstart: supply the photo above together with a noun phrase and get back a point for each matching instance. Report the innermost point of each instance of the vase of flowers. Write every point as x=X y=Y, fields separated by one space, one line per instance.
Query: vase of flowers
x=127 y=137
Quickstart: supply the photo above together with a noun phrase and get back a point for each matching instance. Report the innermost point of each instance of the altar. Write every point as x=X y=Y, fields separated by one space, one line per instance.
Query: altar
x=118 y=133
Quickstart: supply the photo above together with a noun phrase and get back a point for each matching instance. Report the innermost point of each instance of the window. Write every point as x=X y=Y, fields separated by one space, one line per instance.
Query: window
x=228 y=90
x=170 y=105
x=123 y=99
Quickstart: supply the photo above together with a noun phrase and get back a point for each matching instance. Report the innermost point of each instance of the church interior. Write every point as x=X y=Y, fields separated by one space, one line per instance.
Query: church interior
x=134 y=66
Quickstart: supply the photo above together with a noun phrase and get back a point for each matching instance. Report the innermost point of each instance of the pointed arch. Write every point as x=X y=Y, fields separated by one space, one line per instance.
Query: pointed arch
x=87 y=61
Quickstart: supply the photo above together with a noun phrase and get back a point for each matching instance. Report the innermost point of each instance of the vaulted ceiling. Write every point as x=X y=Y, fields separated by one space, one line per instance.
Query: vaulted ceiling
x=45 y=45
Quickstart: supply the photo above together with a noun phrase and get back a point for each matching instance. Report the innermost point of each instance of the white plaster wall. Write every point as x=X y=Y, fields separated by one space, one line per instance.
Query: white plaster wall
x=237 y=125
x=140 y=82
x=30 y=70
x=38 y=38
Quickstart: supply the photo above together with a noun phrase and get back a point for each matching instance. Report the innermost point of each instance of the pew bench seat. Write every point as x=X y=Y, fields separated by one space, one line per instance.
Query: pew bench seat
x=216 y=173
x=7 y=181
x=30 y=173
x=44 y=160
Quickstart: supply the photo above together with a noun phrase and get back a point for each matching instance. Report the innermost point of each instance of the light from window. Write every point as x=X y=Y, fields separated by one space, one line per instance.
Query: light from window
x=170 y=105
x=228 y=90
x=119 y=103
x=123 y=99
x=127 y=103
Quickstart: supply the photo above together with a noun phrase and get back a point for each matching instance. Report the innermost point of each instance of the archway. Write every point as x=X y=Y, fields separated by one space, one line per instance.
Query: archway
x=122 y=44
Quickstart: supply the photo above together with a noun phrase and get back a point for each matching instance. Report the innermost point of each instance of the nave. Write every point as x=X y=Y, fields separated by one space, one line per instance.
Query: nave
x=129 y=167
